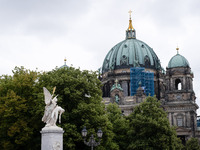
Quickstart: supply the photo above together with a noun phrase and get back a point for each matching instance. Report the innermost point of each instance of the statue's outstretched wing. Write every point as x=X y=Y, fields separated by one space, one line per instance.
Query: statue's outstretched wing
x=47 y=96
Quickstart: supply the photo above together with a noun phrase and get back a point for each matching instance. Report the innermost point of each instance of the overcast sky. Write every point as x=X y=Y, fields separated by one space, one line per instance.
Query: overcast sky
x=41 y=33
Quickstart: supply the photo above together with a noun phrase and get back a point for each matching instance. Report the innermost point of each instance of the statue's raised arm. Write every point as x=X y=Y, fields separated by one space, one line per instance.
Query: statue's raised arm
x=51 y=109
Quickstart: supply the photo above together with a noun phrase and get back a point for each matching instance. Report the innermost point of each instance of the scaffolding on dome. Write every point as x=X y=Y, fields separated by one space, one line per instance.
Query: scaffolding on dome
x=139 y=76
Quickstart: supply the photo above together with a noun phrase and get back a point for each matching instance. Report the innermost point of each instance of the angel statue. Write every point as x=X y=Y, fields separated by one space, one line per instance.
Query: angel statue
x=52 y=110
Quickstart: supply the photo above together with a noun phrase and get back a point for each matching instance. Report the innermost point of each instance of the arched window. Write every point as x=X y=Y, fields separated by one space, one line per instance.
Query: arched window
x=178 y=85
x=106 y=90
x=179 y=120
x=147 y=61
x=124 y=60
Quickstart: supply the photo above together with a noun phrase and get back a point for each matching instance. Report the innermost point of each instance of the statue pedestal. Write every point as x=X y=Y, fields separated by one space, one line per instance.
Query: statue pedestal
x=52 y=138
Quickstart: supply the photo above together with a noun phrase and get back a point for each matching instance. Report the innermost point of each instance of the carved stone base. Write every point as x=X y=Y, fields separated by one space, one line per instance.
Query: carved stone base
x=52 y=138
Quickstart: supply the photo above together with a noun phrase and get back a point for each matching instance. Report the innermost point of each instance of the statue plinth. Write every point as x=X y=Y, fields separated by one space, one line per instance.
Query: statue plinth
x=52 y=138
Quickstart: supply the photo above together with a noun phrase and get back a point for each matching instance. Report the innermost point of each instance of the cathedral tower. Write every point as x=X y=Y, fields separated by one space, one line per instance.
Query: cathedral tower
x=179 y=96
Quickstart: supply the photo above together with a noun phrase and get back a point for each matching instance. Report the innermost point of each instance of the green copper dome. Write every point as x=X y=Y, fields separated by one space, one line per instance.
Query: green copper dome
x=178 y=61
x=130 y=53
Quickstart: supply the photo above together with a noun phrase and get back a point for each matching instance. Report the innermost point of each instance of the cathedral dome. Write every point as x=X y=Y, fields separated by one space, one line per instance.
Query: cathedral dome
x=178 y=61
x=130 y=53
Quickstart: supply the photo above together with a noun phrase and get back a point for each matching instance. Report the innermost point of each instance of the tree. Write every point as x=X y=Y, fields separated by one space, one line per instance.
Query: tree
x=120 y=125
x=192 y=144
x=150 y=128
x=18 y=105
x=80 y=95
x=22 y=106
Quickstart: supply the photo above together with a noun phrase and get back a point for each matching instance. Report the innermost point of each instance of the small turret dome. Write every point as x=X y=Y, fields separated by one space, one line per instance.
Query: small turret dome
x=64 y=66
x=178 y=61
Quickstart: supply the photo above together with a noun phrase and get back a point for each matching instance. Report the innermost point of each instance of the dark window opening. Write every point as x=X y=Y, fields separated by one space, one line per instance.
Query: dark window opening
x=178 y=85
x=106 y=90
x=129 y=88
x=182 y=137
x=108 y=86
x=147 y=61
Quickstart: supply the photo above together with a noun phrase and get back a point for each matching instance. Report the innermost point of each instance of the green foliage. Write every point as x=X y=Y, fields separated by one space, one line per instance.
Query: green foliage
x=22 y=106
x=17 y=106
x=150 y=128
x=80 y=95
x=192 y=144
x=120 y=125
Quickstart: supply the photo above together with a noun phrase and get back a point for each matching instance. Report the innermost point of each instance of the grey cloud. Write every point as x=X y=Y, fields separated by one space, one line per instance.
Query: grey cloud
x=41 y=15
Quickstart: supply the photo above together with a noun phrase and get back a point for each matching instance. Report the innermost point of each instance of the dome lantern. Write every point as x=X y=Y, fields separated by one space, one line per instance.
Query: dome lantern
x=130 y=32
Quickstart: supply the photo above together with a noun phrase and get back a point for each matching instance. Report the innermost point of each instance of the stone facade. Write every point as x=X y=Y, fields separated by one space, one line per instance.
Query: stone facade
x=174 y=89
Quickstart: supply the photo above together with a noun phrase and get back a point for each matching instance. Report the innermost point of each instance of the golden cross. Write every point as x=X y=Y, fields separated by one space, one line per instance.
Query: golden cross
x=130 y=13
x=177 y=49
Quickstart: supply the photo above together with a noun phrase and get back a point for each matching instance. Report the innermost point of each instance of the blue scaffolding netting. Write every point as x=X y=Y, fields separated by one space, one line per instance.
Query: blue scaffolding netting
x=198 y=121
x=138 y=76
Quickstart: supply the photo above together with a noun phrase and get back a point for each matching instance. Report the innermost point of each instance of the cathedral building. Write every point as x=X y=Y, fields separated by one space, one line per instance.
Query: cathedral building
x=131 y=71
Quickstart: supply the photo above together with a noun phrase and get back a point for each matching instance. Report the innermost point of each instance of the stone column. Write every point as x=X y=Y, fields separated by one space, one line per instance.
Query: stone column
x=184 y=120
x=191 y=84
x=170 y=118
x=184 y=86
x=174 y=120
x=171 y=84
x=172 y=114
x=189 y=120
x=52 y=138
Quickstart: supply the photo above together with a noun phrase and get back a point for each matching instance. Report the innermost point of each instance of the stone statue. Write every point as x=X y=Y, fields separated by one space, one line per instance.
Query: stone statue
x=117 y=99
x=52 y=110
